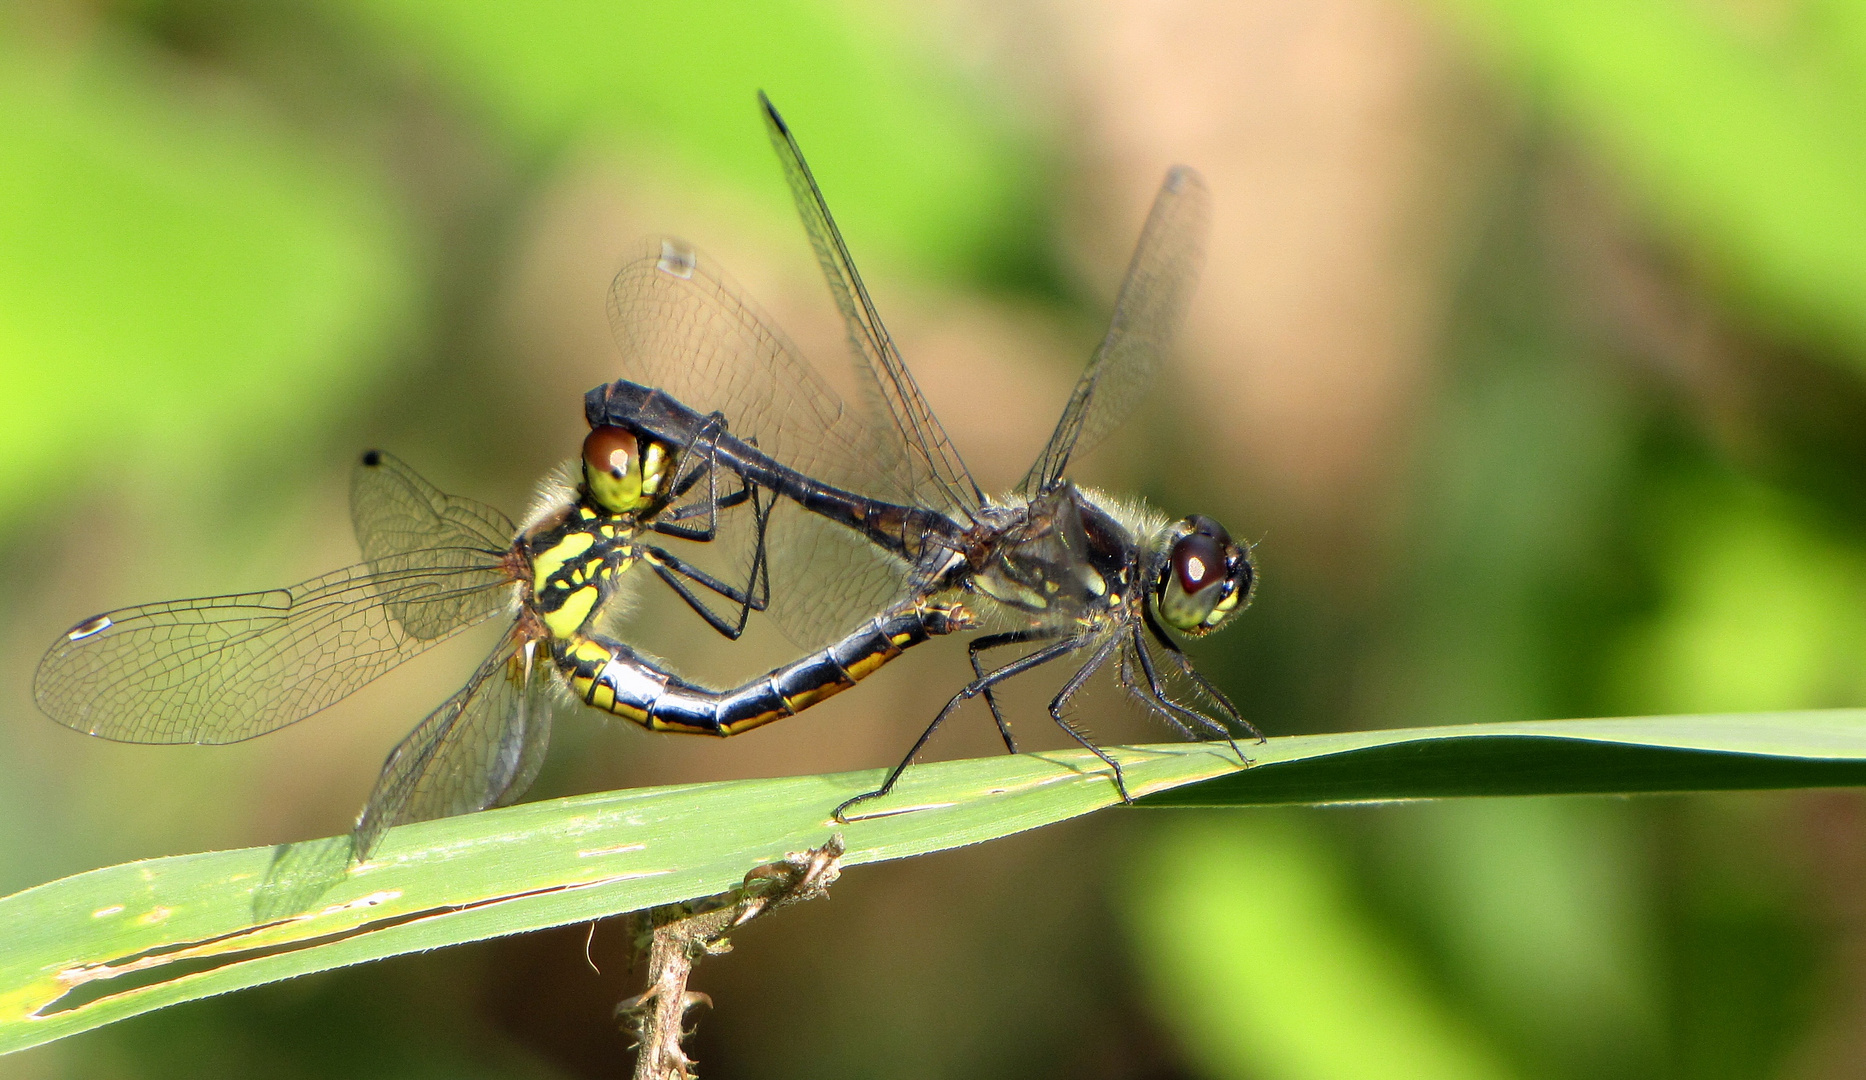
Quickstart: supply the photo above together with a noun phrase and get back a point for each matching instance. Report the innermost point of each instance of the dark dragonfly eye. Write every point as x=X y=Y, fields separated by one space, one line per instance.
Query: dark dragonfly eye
x=1206 y=576
x=1198 y=561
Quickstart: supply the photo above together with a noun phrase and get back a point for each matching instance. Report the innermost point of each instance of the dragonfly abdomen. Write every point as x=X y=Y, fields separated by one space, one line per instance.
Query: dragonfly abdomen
x=609 y=675
x=908 y=531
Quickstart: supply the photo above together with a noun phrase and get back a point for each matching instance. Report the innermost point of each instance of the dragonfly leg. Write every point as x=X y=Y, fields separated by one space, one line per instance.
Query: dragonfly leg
x=1205 y=685
x=998 y=641
x=1069 y=690
x=1157 y=704
x=756 y=593
x=1161 y=702
x=708 y=467
x=755 y=596
x=710 y=508
x=971 y=690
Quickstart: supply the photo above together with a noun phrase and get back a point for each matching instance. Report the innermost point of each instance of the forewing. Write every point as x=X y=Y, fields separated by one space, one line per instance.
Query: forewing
x=1147 y=315
x=938 y=478
x=222 y=669
x=482 y=748
x=684 y=328
x=404 y=523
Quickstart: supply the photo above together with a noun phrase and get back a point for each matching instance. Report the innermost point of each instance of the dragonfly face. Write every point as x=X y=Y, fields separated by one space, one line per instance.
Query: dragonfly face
x=623 y=472
x=1204 y=576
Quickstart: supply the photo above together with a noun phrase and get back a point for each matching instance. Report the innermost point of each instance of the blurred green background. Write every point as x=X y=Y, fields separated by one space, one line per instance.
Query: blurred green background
x=1530 y=348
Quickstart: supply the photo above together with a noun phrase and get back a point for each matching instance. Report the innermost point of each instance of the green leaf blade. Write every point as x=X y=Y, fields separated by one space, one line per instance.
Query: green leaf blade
x=105 y=945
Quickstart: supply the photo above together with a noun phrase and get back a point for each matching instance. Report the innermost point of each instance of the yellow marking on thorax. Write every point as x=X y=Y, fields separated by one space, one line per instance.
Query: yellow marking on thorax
x=553 y=559
x=572 y=613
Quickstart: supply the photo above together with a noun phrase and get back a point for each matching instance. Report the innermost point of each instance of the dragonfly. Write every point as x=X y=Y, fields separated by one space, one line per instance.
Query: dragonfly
x=875 y=509
x=224 y=669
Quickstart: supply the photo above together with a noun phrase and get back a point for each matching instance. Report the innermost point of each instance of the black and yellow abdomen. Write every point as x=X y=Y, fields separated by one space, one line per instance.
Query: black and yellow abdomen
x=609 y=675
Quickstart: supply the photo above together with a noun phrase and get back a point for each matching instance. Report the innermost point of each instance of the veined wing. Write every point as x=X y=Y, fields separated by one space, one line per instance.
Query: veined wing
x=684 y=328
x=1147 y=314
x=222 y=669
x=939 y=479
x=404 y=523
x=482 y=748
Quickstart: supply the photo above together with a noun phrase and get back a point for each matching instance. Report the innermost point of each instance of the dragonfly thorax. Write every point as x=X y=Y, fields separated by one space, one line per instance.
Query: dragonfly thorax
x=577 y=555
x=1058 y=557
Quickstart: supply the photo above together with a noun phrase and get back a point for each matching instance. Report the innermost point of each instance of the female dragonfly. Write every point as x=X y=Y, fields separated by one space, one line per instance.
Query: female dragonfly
x=880 y=513
x=228 y=668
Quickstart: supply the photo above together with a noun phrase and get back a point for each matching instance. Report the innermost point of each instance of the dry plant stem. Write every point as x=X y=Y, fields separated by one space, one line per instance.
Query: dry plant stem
x=682 y=933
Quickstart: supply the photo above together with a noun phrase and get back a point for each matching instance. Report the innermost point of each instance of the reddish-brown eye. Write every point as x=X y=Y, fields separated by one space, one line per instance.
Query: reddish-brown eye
x=609 y=450
x=1198 y=561
x=1199 y=556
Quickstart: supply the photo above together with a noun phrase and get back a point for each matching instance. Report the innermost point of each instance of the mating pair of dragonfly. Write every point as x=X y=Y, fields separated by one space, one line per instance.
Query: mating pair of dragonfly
x=721 y=435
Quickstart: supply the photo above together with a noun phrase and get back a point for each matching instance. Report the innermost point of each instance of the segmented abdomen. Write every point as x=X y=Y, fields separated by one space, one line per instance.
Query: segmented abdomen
x=609 y=675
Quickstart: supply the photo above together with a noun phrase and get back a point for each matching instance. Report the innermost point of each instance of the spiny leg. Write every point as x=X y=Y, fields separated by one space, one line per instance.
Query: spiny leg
x=1069 y=690
x=970 y=690
x=1156 y=698
x=1124 y=677
x=1204 y=684
x=705 y=450
x=710 y=507
x=998 y=641
x=755 y=596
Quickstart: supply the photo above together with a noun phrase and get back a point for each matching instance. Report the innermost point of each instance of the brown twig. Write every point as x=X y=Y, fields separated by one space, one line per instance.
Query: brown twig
x=679 y=934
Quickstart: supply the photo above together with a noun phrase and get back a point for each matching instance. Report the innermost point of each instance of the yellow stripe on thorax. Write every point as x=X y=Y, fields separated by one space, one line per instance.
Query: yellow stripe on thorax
x=553 y=560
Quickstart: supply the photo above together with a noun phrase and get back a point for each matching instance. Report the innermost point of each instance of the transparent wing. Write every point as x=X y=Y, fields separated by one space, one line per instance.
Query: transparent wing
x=937 y=477
x=405 y=523
x=683 y=327
x=482 y=748
x=1147 y=314
x=222 y=669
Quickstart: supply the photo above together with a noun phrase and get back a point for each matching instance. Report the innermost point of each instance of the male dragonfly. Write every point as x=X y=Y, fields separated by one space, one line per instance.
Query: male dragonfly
x=880 y=513
x=228 y=668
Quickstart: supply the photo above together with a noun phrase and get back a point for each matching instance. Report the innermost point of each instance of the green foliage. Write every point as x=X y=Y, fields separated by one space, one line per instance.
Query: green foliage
x=1742 y=129
x=186 y=927
x=178 y=273
x=908 y=164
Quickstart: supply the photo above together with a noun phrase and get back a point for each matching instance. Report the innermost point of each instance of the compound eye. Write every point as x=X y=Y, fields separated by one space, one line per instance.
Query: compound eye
x=1198 y=562
x=610 y=451
x=1206 y=578
x=612 y=470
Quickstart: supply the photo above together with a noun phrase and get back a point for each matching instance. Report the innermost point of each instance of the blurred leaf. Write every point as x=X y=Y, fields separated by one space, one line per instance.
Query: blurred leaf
x=1752 y=150
x=175 y=275
x=908 y=164
x=1264 y=966
x=180 y=928
x=1763 y=610
x=1541 y=922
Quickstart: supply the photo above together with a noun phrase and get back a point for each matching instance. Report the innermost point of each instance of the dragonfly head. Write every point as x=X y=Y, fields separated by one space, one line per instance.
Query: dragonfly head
x=1205 y=578
x=623 y=473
